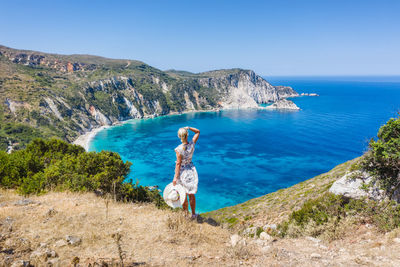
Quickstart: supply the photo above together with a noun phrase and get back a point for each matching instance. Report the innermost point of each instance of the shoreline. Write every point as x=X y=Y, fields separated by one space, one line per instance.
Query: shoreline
x=84 y=139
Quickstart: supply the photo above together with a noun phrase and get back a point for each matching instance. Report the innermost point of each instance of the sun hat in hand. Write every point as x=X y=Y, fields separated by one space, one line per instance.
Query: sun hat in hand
x=174 y=196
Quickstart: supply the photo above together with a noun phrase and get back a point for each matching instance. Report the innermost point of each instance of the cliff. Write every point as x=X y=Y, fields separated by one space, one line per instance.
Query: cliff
x=67 y=95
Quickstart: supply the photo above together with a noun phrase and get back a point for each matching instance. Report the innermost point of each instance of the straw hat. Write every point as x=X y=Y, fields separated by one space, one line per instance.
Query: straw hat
x=174 y=196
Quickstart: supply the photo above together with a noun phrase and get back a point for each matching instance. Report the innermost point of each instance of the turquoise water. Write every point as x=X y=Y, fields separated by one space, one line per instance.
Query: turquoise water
x=242 y=154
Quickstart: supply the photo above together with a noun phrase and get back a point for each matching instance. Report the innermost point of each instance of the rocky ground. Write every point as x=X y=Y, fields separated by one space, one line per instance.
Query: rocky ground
x=68 y=229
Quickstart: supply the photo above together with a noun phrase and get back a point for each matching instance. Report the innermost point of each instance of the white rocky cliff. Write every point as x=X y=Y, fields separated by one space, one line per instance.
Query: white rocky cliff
x=245 y=89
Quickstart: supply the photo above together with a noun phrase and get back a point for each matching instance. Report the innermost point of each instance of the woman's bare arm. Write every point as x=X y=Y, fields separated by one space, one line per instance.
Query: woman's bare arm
x=196 y=133
x=177 y=167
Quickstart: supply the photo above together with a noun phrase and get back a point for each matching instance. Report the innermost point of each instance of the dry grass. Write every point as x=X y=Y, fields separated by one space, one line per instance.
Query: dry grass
x=145 y=234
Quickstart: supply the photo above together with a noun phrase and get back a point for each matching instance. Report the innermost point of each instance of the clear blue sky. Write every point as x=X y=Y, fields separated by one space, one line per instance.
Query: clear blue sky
x=321 y=37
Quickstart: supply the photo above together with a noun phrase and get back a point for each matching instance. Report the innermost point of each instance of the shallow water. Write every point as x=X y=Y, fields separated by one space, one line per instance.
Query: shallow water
x=242 y=154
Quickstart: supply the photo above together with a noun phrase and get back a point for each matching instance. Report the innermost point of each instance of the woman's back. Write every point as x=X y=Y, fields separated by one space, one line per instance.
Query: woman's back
x=186 y=151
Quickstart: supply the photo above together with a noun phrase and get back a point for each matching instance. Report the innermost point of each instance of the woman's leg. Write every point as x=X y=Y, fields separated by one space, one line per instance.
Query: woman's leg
x=185 y=205
x=192 y=200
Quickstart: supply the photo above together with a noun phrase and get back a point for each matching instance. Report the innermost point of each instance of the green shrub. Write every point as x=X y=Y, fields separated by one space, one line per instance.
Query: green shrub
x=383 y=157
x=259 y=231
x=326 y=215
x=56 y=165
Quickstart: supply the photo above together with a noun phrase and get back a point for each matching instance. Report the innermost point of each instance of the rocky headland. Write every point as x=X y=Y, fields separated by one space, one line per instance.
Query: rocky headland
x=283 y=104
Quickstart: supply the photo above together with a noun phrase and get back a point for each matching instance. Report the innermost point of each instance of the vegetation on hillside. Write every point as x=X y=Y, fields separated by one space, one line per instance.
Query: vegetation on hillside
x=383 y=157
x=57 y=166
x=276 y=207
x=326 y=215
x=57 y=95
x=330 y=216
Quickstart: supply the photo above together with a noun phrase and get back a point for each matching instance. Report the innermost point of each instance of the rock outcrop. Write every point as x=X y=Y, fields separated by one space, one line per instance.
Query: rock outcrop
x=360 y=184
x=309 y=94
x=245 y=89
x=283 y=104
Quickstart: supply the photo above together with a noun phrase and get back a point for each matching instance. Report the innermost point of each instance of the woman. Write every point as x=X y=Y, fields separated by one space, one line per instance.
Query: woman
x=185 y=172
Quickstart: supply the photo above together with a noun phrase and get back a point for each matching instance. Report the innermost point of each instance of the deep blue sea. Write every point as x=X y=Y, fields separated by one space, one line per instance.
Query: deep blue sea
x=242 y=154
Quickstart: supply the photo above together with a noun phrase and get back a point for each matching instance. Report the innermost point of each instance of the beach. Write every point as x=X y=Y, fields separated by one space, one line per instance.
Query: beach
x=84 y=139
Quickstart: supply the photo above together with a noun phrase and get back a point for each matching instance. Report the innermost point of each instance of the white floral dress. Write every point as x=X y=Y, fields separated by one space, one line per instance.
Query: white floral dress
x=188 y=177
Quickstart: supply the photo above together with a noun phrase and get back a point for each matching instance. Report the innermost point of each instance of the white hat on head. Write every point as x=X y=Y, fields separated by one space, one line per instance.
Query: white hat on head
x=174 y=196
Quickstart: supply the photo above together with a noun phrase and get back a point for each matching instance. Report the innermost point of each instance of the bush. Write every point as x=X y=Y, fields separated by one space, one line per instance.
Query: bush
x=17 y=133
x=383 y=158
x=57 y=165
x=326 y=216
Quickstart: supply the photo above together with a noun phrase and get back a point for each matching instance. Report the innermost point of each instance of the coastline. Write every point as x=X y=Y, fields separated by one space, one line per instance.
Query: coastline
x=84 y=139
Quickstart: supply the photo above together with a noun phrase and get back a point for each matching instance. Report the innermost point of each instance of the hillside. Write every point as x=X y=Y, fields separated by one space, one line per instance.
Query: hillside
x=45 y=95
x=79 y=211
x=275 y=207
x=66 y=228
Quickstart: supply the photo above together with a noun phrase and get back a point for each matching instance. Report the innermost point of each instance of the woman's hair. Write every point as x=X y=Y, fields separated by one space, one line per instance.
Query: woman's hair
x=182 y=134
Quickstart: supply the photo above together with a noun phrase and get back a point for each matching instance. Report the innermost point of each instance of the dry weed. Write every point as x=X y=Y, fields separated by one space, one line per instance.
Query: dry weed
x=240 y=252
x=332 y=230
x=183 y=227
x=294 y=230
x=393 y=234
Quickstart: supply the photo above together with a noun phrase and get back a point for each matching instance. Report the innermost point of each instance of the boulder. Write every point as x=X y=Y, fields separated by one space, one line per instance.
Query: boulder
x=42 y=254
x=250 y=231
x=350 y=186
x=235 y=240
x=315 y=256
x=270 y=228
x=60 y=243
x=313 y=239
x=51 y=212
x=396 y=240
x=20 y=263
x=53 y=262
x=73 y=240
x=265 y=236
x=24 y=202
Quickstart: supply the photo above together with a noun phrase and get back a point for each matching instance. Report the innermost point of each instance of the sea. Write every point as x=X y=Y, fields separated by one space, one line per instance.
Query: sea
x=243 y=154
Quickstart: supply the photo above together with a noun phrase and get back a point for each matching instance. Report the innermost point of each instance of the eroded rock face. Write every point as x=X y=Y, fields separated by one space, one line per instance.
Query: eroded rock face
x=32 y=58
x=245 y=89
x=286 y=91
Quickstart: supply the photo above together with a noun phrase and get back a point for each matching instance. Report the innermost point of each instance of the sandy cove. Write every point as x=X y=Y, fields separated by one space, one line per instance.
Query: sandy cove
x=85 y=139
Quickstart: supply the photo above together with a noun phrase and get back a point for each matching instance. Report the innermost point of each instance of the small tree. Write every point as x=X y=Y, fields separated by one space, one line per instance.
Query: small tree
x=383 y=157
